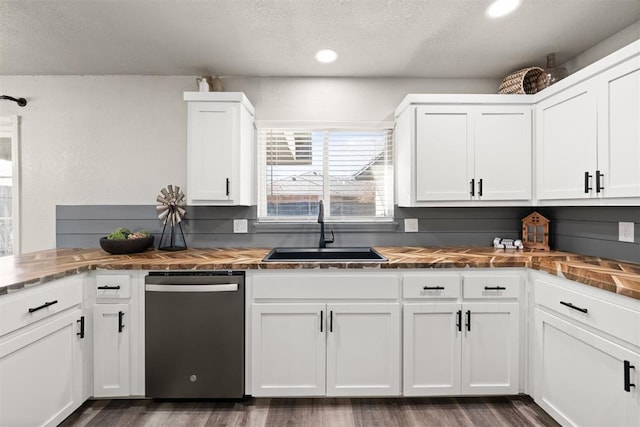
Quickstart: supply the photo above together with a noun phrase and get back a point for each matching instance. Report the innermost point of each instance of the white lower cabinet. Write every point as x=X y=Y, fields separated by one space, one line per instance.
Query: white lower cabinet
x=580 y=377
x=326 y=349
x=452 y=349
x=111 y=350
x=42 y=364
x=461 y=348
x=289 y=348
x=118 y=334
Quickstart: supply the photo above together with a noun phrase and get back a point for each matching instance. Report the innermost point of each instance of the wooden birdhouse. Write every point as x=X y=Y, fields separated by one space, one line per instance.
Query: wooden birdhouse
x=535 y=232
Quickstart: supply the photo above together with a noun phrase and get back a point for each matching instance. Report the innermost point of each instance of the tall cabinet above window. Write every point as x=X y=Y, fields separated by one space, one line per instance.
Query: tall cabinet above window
x=220 y=149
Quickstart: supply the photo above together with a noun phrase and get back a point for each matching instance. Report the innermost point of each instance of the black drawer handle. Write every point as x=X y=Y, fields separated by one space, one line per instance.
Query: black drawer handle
x=81 y=321
x=468 y=320
x=495 y=288
x=433 y=288
x=568 y=304
x=321 y=319
x=459 y=320
x=45 y=305
x=228 y=189
x=473 y=187
x=109 y=287
x=627 y=376
x=120 y=324
x=480 y=187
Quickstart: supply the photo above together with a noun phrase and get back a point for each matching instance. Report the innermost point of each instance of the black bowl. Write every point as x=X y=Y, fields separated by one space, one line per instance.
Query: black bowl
x=128 y=246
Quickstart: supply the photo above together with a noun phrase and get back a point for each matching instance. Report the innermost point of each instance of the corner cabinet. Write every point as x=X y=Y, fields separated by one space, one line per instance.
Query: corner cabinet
x=586 y=354
x=463 y=150
x=331 y=334
x=220 y=149
x=42 y=353
x=588 y=135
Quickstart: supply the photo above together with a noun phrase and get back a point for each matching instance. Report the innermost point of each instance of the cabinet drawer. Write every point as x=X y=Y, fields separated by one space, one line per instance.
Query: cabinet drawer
x=21 y=308
x=613 y=319
x=428 y=286
x=487 y=286
x=113 y=286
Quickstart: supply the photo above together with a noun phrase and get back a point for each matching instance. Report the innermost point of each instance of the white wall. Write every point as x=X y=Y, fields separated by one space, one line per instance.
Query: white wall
x=119 y=139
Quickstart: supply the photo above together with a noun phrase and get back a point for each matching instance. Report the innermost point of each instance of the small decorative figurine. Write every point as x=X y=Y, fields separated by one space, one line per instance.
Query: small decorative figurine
x=535 y=232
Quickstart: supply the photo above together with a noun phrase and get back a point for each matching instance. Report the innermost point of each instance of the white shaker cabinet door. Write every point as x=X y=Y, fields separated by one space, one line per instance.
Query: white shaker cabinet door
x=213 y=135
x=363 y=350
x=566 y=144
x=288 y=349
x=619 y=130
x=579 y=376
x=502 y=153
x=490 y=348
x=111 y=350
x=444 y=162
x=41 y=373
x=431 y=349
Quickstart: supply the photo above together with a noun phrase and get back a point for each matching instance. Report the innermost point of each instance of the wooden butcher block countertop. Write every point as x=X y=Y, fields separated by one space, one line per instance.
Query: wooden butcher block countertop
x=18 y=272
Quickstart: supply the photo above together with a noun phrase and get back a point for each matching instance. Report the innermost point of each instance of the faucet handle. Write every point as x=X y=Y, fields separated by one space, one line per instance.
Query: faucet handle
x=333 y=238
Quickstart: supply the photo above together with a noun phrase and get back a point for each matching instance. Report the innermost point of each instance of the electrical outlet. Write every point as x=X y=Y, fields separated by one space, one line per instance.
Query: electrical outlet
x=240 y=226
x=625 y=232
x=411 y=225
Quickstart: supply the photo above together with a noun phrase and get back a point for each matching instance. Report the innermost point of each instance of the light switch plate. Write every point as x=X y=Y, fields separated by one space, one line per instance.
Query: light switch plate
x=625 y=232
x=411 y=225
x=240 y=226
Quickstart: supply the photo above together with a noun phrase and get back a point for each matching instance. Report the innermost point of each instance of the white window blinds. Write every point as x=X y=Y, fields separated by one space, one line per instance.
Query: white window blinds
x=351 y=170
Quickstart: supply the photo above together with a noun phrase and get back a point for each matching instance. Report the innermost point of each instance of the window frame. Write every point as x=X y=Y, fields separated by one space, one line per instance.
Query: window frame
x=10 y=128
x=321 y=126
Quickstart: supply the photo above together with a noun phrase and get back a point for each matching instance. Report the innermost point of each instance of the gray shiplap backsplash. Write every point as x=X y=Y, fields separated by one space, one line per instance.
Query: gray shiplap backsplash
x=586 y=230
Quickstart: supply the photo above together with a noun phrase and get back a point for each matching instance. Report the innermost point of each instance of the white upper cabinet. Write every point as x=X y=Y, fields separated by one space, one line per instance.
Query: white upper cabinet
x=220 y=149
x=460 y=151
x=588 y=134
x=566 y=144
x=619 y=130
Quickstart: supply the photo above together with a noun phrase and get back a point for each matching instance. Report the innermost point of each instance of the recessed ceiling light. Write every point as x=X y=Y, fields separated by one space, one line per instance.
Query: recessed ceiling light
x=501 y=8
x=326 y=56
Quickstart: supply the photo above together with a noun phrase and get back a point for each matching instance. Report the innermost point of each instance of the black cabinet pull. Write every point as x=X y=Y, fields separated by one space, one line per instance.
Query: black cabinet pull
x=480 y=187
x=81 y=322
x=568 y=304
x=331 y=321
x=433 y=288
x=473 y=187
x=459 y=320
x=109 y=287
x=586 y=182
x=598 y=177
x=321 y=319
x=45 y=305
x=495 y=288
x=627 y=376
x=468 y=320
x=227 y=186
x=120 y=324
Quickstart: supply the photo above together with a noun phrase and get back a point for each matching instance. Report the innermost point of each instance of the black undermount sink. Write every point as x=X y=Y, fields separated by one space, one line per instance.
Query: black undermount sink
x=363 y=254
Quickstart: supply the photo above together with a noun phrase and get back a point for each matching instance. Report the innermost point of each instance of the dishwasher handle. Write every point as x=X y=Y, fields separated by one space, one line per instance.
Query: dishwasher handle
x=222 y=287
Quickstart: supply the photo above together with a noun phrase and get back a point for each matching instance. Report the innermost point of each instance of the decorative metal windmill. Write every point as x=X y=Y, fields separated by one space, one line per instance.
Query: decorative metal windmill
x=171 y=208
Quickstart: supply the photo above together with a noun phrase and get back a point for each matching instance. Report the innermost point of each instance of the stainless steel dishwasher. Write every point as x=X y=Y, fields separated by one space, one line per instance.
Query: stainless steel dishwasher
x=194 y=334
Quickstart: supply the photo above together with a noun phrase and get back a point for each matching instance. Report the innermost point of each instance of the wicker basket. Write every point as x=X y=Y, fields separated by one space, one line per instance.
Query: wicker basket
x=521 y=81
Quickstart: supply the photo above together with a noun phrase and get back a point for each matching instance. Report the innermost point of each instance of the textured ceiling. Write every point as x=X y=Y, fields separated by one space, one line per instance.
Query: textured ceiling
x=374 y=38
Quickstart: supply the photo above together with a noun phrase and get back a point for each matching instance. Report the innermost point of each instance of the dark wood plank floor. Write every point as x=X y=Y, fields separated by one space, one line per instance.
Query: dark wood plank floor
x=387 y=412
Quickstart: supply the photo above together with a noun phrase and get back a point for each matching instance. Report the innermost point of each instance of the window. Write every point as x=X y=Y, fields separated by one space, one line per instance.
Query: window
x=349 y=168
x=9 y=241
